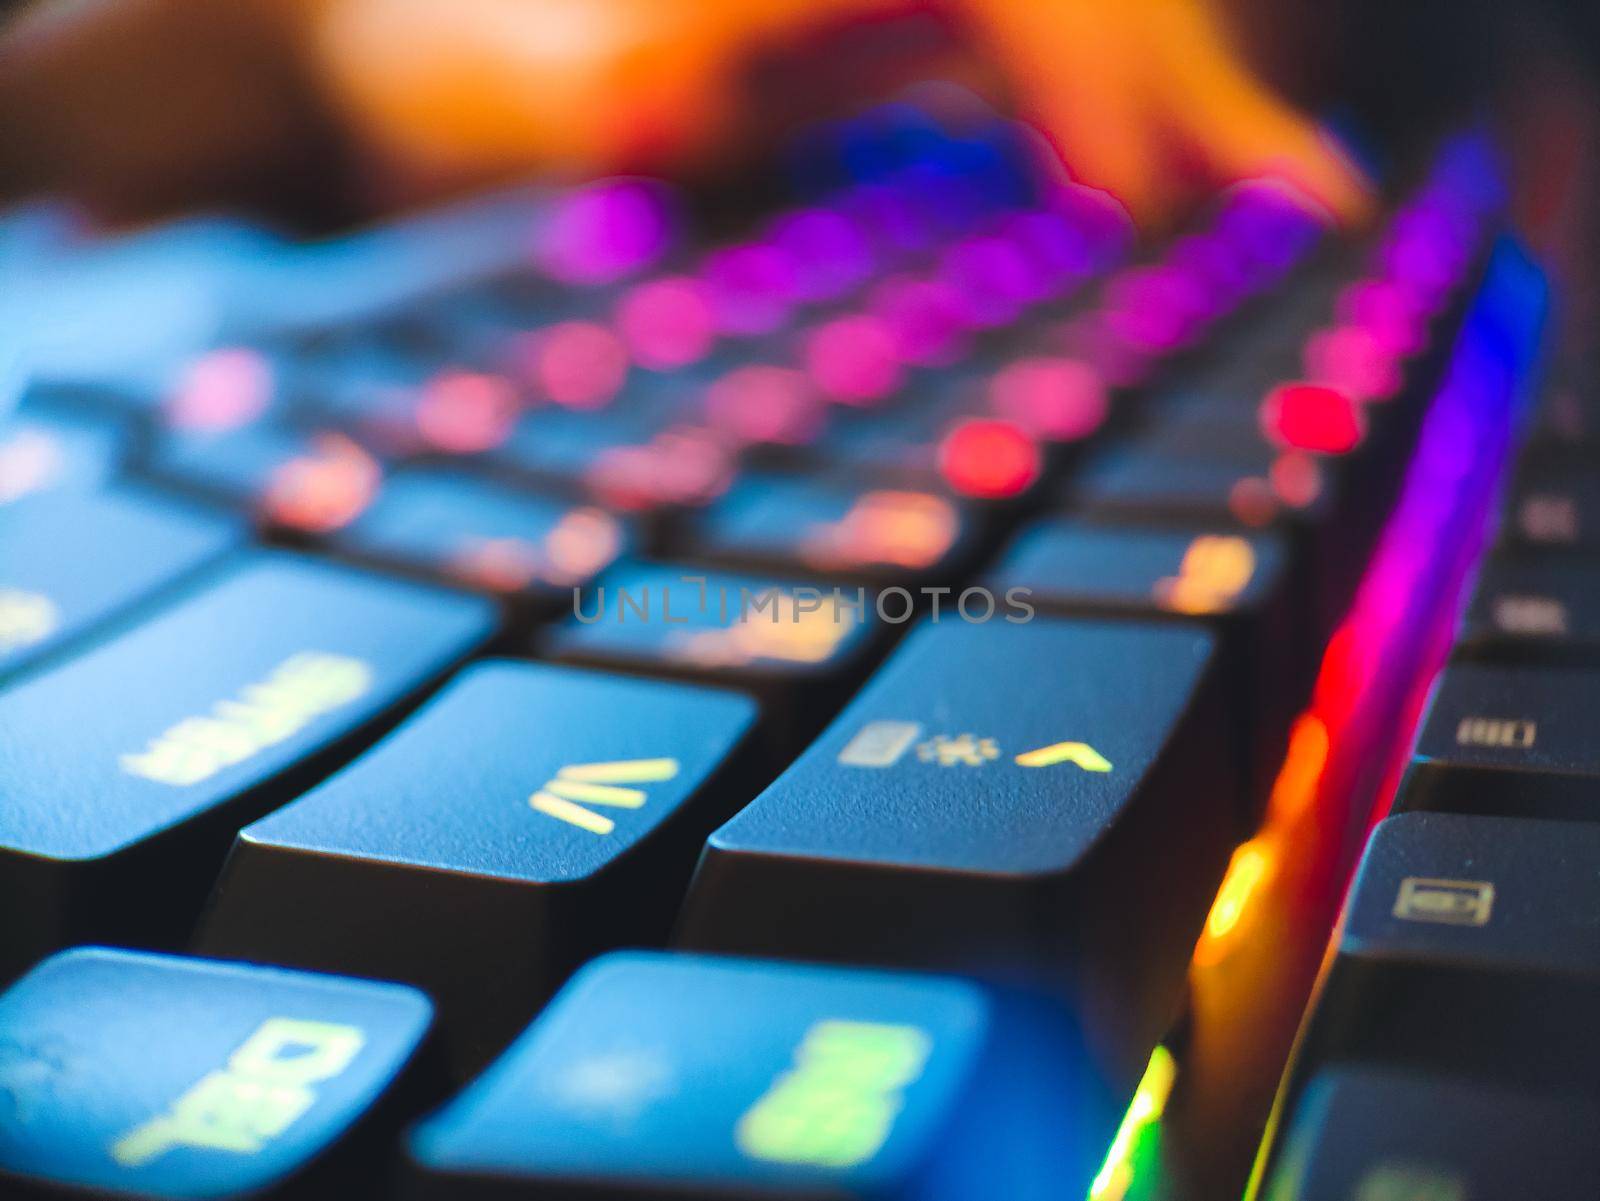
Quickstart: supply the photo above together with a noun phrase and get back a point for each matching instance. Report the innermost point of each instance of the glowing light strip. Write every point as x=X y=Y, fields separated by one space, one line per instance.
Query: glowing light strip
x=1149 y=1102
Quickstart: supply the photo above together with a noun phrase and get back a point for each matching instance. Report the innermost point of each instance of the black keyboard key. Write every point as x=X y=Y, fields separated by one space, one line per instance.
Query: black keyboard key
x=799 y=648
x=130 y=1074
x=1236 y=582
x=1555 y=509
x=1510 y=740
x=456 y=527
x=566 y=806
x=1365 y=1134
x=70 y=561
x=794 y=526
x=129 y=767
x=1469 y=945
x=1541 y=610
x=996 y=803
x=670 y=1076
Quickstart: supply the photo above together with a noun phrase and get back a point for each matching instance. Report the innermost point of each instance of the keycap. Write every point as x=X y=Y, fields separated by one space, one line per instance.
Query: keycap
x=307 y=481
x=1533 y=610
x=1468 y=945
x=801 y=526
x=1517 y=741
x=45 y=447
x=1005 y=801
x=1237 y=582
x=128 y=768
x=666 y=1076
x=455 y=527
x=71 y=560
x=799 y=648
x=1554 y=508
x=1369 y=1134
x=527 y=818
x=134 y=1074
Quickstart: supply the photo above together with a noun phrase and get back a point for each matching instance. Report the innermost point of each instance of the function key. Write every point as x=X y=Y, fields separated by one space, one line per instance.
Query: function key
x=69 y=561
x=1544 y=610
x=130 y=766
x=1512 y=740
x=141 y=1075
x=666 y=1076
x=996 y=802
x=566 y=806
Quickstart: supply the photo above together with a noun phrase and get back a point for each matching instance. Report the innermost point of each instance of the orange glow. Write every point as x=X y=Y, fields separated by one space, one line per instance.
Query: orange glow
x=780 y=632
x=989 y=459
x=1215 y=569
x=578 y=546
x=903 y=529
x=463 y=411
x=497 y=564
x=323 y=490
x=221 y=390
x=1252 y=866
x=1302 y=769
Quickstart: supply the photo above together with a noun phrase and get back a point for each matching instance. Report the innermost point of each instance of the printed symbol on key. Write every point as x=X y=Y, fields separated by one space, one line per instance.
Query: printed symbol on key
x=880 y=743
x=598 y=784
x=1408 y=1182
x=1446 y=902
x=1496 y=731
x=1081 y=754
x=952 y=750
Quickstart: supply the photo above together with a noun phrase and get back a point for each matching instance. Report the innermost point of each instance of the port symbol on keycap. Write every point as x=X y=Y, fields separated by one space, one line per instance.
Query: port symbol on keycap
x=1449 y=902
x=880 y=743
x=599 y=784
x=1080 y=754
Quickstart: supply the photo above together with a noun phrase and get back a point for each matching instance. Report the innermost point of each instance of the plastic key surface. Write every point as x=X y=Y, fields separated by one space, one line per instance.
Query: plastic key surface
x=666 y=1077
x=129 y=767
x=1544 y=610
x=528 y=817
x=1367 y=1134
x=455 y=527
x=71 y=560
x=125 y=1073
x=1512 y=740
x=1002 y=800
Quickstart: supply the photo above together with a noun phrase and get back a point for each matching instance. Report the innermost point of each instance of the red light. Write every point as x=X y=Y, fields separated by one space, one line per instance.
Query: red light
x=991 y=459
x=1312 y=417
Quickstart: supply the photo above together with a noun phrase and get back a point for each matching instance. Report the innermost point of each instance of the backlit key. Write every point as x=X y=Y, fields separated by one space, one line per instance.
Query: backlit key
x=456 y=527
x=529 y=817
x=44 y=447
x=1539 y=610
x=800 y=526
x=668 y=1076
x=129 y=767
x=1237 y=582
x=1519 y=741
x=71 y=560
x=798 y=647
x=131 y=1074
x=1003 y=800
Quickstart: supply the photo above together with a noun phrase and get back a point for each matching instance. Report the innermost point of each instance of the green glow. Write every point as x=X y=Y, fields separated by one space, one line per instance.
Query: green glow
x=836 y=1106
x=1150 y=1099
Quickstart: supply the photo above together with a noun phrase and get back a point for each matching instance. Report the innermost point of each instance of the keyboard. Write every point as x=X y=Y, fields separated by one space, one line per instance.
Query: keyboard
x=882 y=700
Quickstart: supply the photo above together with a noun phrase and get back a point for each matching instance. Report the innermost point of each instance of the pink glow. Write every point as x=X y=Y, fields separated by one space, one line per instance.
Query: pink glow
x=1059 y=399
x=1351 y=359
x=221 y=390
x=752 y=288
x=759 y=403
x=854 y=360
x=926 y=319
x=603 y=232
x=579 y=364
x=667 y=322
x=464 y=411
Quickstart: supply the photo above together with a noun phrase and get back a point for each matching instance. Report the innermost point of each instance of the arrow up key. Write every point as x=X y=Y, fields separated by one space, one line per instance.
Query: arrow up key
x=529 y=817
x=1046 y=804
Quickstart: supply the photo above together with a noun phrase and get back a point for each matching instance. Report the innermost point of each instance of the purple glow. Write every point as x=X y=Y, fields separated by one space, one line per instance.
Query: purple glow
x=600 y=233
x=752 y=287
x=926 y=318
x=828 y=251
x=1058 y=249
x=993 y=278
